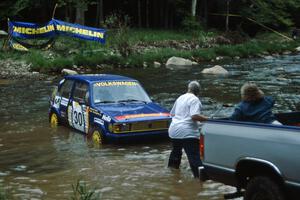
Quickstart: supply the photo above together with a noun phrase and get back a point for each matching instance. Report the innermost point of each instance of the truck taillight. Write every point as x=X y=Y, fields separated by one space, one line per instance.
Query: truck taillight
x=202 y=146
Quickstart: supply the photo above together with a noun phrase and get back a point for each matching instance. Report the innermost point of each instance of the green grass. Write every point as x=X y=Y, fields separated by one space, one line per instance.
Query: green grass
x=149 y=36
x=82 y=192
x=204 y=54
x=4 y=193
x=71 y=51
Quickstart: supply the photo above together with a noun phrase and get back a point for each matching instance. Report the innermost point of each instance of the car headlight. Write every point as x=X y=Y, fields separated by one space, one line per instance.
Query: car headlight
x=110 y=127
x=119 y=128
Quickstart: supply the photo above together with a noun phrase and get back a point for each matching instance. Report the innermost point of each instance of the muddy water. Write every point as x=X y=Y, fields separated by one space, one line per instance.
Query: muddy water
x=37 y=162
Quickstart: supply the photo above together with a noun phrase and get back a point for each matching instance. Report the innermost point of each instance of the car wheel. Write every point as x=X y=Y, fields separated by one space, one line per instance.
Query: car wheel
x=97 y=136
x=263 y=188
x=54 y=120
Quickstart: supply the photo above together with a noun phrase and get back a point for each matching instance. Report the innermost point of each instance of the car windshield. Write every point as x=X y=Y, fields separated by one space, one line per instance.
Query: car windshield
x=119 y=91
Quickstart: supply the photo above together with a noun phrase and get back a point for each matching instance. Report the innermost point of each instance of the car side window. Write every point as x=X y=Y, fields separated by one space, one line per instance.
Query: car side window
x=80 y=92
x=65 y=89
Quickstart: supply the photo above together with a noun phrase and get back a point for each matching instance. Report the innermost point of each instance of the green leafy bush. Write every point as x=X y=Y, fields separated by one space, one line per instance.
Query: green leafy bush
x=190 y=24
x=37 y=60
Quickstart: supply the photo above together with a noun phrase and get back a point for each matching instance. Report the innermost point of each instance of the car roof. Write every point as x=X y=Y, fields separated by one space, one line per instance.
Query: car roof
x=98 y=77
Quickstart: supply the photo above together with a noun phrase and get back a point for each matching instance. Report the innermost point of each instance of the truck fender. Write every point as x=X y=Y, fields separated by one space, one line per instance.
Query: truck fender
x=249 y=167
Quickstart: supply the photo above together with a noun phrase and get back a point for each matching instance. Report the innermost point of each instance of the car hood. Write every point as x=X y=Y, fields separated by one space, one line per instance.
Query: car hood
x=134 y=111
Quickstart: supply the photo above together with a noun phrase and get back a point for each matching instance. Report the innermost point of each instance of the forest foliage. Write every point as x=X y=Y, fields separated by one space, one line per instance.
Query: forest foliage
x=141 y=32
x=167 y=14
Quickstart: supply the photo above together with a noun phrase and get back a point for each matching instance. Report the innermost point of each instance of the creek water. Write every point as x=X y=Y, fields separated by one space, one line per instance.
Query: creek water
x=37 y=162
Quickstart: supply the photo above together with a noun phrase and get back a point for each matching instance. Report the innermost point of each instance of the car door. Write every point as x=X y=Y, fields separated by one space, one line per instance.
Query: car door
x=78 y=107
x=62 y=97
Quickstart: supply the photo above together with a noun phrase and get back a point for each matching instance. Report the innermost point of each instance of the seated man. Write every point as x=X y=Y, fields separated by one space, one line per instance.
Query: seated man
x=254 y=107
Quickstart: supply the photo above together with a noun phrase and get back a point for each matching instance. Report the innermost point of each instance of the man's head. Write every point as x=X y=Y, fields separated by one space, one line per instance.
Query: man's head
x=194 y=87
x=250 y=92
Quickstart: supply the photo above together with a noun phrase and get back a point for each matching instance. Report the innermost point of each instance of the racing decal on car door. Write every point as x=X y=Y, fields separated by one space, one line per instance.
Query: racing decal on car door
x=64 y=101
x=56 y=102
x=78 y=116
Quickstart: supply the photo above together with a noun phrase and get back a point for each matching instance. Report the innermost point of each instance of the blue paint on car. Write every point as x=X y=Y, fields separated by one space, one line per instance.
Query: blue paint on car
x=117 y=106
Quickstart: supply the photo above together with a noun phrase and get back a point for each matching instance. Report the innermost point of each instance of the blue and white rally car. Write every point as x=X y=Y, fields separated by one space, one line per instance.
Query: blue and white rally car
x=107 y=108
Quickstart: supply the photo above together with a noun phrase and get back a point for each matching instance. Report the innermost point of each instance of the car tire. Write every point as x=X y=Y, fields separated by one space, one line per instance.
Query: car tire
x=263 y=188
x=96 y=135
x=54 y=120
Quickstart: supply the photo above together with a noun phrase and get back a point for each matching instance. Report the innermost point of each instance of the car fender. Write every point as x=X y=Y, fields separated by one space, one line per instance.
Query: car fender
x=54 y=110
x=96 y=121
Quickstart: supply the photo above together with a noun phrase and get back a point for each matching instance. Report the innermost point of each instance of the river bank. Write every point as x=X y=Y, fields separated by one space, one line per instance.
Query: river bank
x=113 y=170
x=141 y=49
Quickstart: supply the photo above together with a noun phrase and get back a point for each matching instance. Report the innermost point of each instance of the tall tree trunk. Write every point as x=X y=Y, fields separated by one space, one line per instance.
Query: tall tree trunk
x=147 y=13
x=205 y=12
x=99 y=16
x=227 y=15
x=167 y=14
x=67 y=13
x=81 y=7
x=139 y=14
x=194 y=7
x=161 y=14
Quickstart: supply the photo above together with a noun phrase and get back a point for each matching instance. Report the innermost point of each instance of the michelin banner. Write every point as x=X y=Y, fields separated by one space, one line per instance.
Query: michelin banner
x=79 y=31
x=53 y=28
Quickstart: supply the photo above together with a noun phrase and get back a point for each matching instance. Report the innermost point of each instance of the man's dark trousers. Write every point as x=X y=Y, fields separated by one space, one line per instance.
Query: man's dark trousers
x=191 y=148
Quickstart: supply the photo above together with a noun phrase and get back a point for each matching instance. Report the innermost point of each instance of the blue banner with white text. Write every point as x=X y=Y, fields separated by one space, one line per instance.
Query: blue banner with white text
x=26 y=30
x=53 y=28
x=79 y=31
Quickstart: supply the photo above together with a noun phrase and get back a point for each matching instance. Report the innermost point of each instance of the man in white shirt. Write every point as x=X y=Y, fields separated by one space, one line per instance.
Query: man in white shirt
x=184 y=129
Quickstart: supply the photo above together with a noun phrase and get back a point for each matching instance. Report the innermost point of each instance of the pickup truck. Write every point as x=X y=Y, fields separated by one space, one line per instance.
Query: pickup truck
x=261 y=160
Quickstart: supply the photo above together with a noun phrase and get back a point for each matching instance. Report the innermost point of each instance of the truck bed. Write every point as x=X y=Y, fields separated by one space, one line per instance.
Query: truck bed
x=227 y=144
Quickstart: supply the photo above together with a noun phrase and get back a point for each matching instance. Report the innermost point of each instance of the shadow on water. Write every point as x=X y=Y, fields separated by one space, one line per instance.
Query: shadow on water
x=37 y=162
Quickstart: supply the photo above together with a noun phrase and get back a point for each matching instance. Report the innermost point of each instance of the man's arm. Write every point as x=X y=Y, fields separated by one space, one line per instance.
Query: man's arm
x=172 y=112
x=199 y=118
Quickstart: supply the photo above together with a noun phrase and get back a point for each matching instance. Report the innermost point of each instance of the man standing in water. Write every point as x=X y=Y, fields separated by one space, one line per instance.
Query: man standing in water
x=184 y=129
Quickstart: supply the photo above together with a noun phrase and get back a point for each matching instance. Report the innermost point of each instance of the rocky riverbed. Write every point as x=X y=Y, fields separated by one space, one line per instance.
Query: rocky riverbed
x=11 y=69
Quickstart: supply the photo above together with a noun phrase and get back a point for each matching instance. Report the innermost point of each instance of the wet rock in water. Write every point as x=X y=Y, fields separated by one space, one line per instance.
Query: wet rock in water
x=68 y=72
x=286 y=52
x=280 y=69
x=282 y=79
x=268 y=57
x=194 y=63
x=219 y=58
x=156 y=64
x=3 y=33
x=218 y=70
x=177 y=62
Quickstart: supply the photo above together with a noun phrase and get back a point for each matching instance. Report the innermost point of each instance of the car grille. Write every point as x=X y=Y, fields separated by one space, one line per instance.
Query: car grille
x=142 y=126
x=149 y=126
